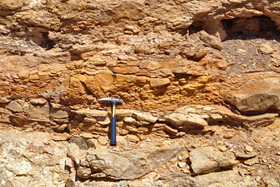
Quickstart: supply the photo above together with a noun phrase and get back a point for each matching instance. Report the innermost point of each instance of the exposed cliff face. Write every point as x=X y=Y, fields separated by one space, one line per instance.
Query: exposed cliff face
x=139 y=51
x=180 y=66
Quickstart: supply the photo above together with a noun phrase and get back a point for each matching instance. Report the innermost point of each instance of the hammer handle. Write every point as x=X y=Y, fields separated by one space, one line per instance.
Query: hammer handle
x=113 y=132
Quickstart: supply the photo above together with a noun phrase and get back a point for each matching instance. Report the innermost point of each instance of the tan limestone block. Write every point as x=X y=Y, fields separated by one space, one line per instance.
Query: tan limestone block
x=23 y=74
x=140 y=80
x=120 y=78
x=126 y=70
x=153 y=65
x=157 y=82
x=11 y=4
x=103 y=80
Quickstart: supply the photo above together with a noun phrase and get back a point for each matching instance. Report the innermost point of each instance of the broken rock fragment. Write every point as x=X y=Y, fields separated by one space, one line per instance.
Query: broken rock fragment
x=266 y=49
x=210 y=40
x=209 y=159
x=257 y=95
x=186 y=120
x=156 y=82
x=14 y=106
x=130 y=165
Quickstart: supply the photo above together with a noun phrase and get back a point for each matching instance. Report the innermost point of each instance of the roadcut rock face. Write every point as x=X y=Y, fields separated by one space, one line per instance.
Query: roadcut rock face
x=199 y=80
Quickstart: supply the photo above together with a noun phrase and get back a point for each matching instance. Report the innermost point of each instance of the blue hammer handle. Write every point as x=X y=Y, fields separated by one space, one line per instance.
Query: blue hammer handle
x=113 y=132
x=114 y=126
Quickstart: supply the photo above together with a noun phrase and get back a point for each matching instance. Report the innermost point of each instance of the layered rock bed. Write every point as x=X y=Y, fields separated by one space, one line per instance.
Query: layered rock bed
x=199 y=80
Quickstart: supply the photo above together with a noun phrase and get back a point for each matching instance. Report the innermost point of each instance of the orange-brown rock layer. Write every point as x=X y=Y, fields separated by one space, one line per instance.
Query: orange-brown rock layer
x=155 y=55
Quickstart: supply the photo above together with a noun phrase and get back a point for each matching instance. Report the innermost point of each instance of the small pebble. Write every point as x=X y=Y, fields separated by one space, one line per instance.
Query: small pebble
x=219 y=142
x=103 y=140
x=249 y=148
x=181 y=164
x=258 y=178
x=180 y=157
x=207 y=136
x=223 y=148
x=251 y=161
x=228 y=136
x=185 y=170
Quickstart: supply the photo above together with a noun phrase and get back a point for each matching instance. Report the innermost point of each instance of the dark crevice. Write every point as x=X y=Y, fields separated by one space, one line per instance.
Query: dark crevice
x=250 y=28
x=33 y=35
x=255 y=113
x=216 y=171
x=75 y=56
x=104 y=179
x=192 y=29
x=239 y=28
x=235 y=110
x=47 y=43
x=88 y=92
x=159 y=91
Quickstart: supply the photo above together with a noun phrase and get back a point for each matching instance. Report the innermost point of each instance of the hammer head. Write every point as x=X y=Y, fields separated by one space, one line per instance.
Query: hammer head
x=113 y=100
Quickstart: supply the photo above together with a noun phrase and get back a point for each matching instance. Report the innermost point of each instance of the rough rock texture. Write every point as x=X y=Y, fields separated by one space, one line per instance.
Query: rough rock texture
x=260 y=94
x=130 y=165
x=185 y=70
x=50 y=159
x=207 y=159
x=32 y=159
x=141 y=51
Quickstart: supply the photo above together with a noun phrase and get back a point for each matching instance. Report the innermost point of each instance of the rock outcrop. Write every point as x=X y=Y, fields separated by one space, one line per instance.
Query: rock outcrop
x=38 y=114
x=130 y=165
x=260 y=94
x=199 y=81
x=41 y=159
x=137 y=50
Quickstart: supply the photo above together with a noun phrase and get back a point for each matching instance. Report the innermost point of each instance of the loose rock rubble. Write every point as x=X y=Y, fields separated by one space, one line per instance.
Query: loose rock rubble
x=247 y=159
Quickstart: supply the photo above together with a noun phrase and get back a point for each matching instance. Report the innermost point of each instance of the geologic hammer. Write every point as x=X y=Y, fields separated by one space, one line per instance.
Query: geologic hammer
x=115 y=101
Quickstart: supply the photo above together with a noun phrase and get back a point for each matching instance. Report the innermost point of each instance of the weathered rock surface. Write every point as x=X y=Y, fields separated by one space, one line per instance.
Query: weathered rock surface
x=79 y=54
x=260 y=94
x=115 y=165
x=208 y=159
x=210 y=40
x=226 y=178
x=173 y=64
x=27 y=156
x=31 y=159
